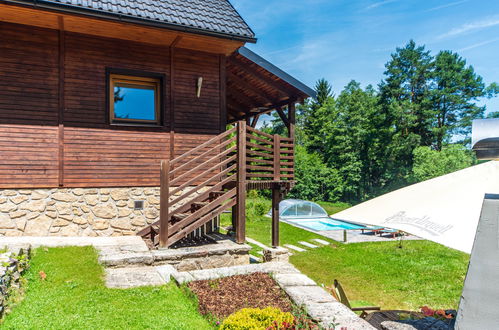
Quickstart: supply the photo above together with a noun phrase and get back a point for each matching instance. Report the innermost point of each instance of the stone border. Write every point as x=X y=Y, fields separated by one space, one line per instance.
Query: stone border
x=13 y=263
x=302 y=290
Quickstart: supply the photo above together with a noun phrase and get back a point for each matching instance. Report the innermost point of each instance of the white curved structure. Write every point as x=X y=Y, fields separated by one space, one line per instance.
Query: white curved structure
x=299 y=209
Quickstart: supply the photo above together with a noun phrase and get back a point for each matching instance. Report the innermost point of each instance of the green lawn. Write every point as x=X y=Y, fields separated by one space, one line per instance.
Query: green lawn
x=421 y=273
x=73 y=296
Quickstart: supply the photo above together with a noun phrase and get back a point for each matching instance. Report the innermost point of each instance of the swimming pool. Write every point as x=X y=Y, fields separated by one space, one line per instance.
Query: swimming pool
x=324 y=224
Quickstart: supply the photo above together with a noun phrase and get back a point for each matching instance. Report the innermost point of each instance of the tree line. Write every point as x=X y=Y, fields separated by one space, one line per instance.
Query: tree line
x=414 y=125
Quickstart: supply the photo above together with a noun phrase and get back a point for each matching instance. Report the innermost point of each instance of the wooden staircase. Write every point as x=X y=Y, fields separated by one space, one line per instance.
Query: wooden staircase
x=201 y=184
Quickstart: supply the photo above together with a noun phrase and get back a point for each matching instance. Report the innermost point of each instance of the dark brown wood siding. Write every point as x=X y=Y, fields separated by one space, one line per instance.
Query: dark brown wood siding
x=94 y=153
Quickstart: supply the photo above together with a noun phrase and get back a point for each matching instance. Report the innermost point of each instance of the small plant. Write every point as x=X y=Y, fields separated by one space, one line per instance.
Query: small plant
x=214 y=284
x=256 y=319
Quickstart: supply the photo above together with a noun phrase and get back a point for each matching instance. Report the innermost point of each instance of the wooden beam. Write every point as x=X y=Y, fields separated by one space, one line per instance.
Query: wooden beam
x=292 y=119
x=241 y=183
x=276 y=199
x=223 y=91
x=62 y=101
x=283 y=116
x=255 y=120
x=247 y=85
x=267 y=80
x=236 y=95
x=236 y=104
x=164 y=203
x=172 y=98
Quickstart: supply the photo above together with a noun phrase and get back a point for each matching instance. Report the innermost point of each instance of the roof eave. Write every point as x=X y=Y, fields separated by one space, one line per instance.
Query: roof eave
x=65 y=8
x=276 y=71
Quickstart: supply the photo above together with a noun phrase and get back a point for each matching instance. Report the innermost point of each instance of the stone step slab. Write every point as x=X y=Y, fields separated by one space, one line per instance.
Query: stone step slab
x=308 y=294
x=293 y=247
x=132 y=277
x=320 y=241
x=307 y=244
x=286 y=280
x=126 y=259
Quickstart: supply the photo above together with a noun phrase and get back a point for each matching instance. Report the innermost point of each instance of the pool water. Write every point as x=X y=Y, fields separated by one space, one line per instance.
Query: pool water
x=324 y=224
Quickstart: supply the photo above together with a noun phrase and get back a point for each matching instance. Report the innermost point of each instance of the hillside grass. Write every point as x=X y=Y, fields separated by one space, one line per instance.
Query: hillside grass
x=73 y=296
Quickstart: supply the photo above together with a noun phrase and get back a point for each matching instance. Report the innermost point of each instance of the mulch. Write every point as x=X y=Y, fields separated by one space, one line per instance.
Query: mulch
x=224 y=296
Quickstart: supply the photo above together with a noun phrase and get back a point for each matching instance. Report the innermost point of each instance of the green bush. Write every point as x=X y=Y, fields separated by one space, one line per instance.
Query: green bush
x=257 y=319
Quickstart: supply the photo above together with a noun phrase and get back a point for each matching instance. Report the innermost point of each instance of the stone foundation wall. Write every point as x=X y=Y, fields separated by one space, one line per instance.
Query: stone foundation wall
x=77 y=211
x=13 y=262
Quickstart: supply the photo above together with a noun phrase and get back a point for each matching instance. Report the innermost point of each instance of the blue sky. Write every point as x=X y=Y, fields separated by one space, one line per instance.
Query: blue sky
x=342 y=40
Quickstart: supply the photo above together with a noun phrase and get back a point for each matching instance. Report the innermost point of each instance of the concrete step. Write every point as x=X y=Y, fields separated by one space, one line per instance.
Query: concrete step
x=293 y=247
x=132 y=277
x=125 y=259
x=307 y=244
x=320 y=241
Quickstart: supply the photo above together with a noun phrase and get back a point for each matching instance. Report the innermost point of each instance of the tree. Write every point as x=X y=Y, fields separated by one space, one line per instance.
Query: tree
x=314 y=180
x=456 y=89
x=430 y=163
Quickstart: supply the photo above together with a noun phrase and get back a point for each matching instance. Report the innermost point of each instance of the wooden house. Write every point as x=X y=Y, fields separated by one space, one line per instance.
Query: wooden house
x=115 y=118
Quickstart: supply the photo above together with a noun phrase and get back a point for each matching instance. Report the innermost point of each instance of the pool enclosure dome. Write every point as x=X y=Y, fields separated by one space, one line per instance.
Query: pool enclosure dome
x=299 y=209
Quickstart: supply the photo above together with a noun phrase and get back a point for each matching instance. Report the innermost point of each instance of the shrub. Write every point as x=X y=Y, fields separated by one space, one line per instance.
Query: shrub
x=258 y=319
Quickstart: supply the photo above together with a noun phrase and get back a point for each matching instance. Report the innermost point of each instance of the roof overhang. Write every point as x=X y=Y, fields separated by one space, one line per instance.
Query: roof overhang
x=90 y=12
x=255 y=86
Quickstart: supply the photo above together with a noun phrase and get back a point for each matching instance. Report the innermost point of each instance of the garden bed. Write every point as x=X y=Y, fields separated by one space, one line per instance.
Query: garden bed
x=221 y=297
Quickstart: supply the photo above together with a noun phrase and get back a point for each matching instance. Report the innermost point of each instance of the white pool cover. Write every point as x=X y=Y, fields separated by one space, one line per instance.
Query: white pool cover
x=299 y=209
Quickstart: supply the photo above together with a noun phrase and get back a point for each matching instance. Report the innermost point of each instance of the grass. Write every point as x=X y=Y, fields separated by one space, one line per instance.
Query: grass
x=377 y=273
x=73 y=296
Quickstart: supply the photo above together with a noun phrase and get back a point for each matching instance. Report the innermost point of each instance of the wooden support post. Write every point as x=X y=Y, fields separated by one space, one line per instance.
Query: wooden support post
x=276 y=199
x=292 y=119
x=277 y=157
x=241 y=183
x=164 y=203
x=234 y=217
x=62 y=100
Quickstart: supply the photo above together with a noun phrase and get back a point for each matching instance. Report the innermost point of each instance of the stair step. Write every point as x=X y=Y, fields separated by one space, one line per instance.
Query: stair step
x=200 y=204
x=180 y=216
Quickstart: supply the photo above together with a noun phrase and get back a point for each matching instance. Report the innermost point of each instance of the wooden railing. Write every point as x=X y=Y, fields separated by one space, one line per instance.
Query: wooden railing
x=213 y=177
x=269 y=157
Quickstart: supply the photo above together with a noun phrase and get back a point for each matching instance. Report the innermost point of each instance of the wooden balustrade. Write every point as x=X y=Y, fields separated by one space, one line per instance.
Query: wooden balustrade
x=219 y=172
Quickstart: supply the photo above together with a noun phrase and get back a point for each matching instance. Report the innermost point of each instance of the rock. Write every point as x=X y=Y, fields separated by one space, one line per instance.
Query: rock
x=124 y=212
x=17 y=214
x=119 y=194
x=59 y=222
x=89 y=232
x=78 y=191
x=151 y=213
x=21 y=224
x=8 y=207
x=18 y=199
x=121 y=204
x=38 y=226
x=64 y=208
x=106 y=211
x=71 y=230
x=3 y=200
x=51 y=214
x=25 y=192
x=105 y=191
x=6 y=222
x=39 y=194
x=91 y=199
x=100 y=224
x=67 y=217
x=34 y=206
x=104 y=198
x=77 y=211
x=153 y=200
x=121 y=224
x=149 y=191
x=33 y=215
x=139 y=222
x=84 y=208
x=80 y=220
x=9 y=192
x=64 y=197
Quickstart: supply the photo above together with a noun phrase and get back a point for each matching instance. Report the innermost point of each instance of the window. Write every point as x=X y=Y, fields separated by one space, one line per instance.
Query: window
x=134 y=99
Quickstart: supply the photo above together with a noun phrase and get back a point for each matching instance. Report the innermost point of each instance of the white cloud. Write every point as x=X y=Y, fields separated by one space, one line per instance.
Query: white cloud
x=447 y=5
x=379 y=4
x=480 y=44
x=471 y=27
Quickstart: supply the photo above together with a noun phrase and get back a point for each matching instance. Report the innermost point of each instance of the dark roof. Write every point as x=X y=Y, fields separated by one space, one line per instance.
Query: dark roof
x=276 y=71
x=213 y=17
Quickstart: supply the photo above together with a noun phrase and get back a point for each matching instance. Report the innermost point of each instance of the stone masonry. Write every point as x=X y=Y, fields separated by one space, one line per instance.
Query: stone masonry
x=77 y=211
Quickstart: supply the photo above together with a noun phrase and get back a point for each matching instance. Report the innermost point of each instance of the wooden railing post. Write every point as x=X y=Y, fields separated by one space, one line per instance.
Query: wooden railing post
x=241 y=183
x=276 y=199
x=277 y=157
x=164 y=203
